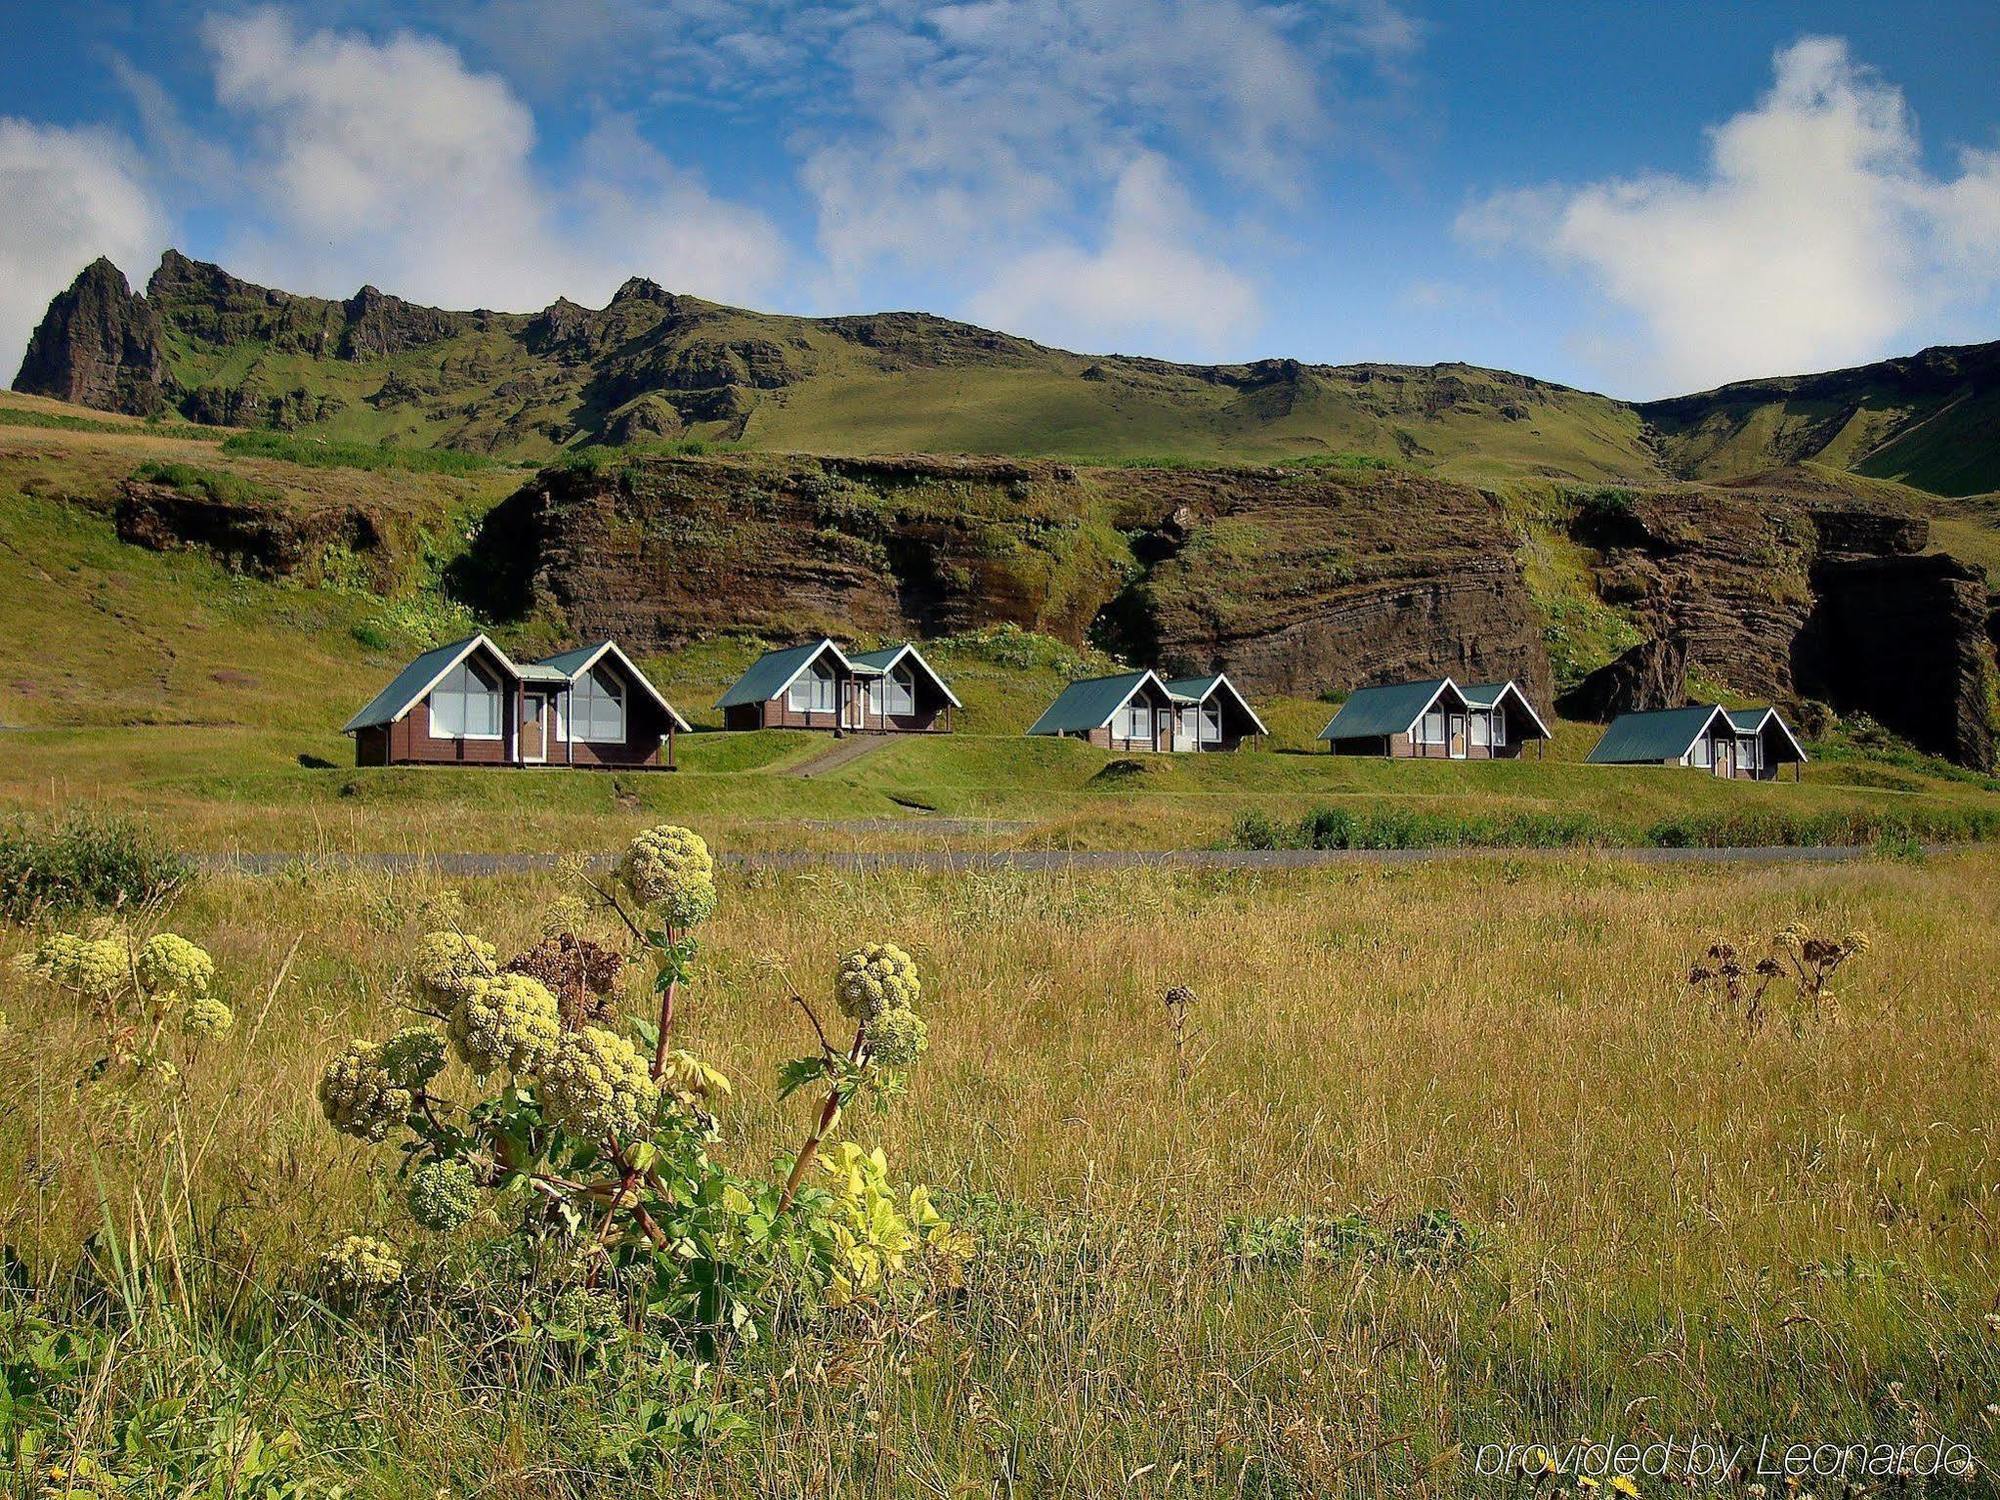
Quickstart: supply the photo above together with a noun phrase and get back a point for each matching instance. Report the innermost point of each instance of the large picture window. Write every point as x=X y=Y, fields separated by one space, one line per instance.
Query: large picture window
x=1137 y=722
x=465 y=706
x=1211 y=723
x=597 y=709
x=812 y=692
x=1499 y=725
x=901 y=691
x=1432 y=732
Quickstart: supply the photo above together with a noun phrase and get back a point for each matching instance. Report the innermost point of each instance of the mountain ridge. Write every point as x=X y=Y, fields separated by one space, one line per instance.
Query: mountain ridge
x=653 y=367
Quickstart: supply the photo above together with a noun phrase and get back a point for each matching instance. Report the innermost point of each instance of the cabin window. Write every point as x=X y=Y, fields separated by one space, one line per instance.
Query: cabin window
x=1432 y=732
x=812 y=691
x=1211 y=723
x=901 y=691
x=1135 y=722
x=1750 y=754
x=1481 y=730
x=465 y=706
x=1499 y=725
x=597 y=709
x=1703 y=754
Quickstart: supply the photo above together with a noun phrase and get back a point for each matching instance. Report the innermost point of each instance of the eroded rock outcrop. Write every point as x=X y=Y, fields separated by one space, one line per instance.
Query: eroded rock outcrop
x=1797 y=592
x=98 y=345
x=1653 y=674
x=268 y=538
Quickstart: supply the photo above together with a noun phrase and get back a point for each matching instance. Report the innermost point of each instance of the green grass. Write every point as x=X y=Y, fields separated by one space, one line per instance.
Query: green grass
x=22 y=415
x=317 y=453
x=1673 y=1227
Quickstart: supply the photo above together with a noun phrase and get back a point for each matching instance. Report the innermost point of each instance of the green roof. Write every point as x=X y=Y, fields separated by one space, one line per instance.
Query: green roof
x=770 y=673
x=881 y=661
x=1660 y=734
x=569 y=663
x=1197 y=689
x=1486 y=694
x=1372 y=712
x=1084 y=706
x=409 y=685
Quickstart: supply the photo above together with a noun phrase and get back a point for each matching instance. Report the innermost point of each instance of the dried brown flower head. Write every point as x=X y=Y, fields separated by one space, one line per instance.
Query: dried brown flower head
x=579 y=973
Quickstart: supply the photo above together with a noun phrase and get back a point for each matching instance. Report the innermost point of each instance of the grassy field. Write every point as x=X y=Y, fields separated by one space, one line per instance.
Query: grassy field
x=1553 y=1193
x=1679 y=1228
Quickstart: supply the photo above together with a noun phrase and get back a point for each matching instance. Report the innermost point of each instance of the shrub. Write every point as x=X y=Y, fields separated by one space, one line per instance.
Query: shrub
x=138 y=991
x=84 y=861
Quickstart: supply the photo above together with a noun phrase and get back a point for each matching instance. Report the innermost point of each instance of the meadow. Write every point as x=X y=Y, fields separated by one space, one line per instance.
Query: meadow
x=1659 y=1223
x=1421 y=1157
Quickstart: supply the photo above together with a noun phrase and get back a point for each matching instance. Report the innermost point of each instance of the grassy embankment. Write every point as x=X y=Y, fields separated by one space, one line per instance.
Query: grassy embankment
x=1682 y=1229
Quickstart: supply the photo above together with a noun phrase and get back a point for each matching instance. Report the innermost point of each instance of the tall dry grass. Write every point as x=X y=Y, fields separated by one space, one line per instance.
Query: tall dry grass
x=1686 y=1229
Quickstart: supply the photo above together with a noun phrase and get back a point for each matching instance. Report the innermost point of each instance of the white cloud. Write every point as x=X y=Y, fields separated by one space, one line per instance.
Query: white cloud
x=1145 y=283
x=71 y=196
x=946 y=143
x=394 y=162
x=1816 y=237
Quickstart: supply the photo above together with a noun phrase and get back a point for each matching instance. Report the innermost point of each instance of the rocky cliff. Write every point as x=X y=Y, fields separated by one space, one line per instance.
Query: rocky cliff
x=1779 y=588
x=1292 y=581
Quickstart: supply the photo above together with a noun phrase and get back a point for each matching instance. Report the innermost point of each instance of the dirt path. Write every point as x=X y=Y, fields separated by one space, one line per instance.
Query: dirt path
x=842 y=752
x=945 y=860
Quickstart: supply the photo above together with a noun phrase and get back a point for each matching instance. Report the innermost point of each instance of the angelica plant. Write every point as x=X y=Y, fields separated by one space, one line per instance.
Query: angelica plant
x=596 y=1132
x=143 y=993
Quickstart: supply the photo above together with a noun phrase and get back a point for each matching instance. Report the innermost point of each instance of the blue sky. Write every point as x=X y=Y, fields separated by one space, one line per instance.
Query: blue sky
x=1640 y=199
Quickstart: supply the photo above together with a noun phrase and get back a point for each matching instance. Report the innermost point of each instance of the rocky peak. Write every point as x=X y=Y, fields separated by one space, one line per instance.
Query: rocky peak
x=98 y=345
x=379 y=324
x=641 y=289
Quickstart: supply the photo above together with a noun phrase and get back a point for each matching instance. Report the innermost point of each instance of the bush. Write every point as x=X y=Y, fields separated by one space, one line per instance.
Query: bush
x=80 y=862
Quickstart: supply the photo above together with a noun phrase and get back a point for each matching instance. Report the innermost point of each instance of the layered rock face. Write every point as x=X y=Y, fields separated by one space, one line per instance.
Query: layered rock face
x=1301 y=582
x=1293 y=582
x=98 y=345
x=1787 y=595
x=668 y=550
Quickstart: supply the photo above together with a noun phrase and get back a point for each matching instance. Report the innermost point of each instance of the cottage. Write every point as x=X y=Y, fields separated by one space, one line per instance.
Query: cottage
x=818 y=686
x=469 y=704
x=1140 y=711
x=1747 y=744
x=1210 y=713
x=1437 y=719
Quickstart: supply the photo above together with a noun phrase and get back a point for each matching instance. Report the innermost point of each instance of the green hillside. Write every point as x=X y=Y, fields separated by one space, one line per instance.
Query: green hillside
x=1931 y=421
x=654 y=368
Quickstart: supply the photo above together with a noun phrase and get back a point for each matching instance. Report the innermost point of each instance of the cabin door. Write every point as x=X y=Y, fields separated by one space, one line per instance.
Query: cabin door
x=1725 y=757
x=850 y=705
x=534 y=728
x=1455 y=729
